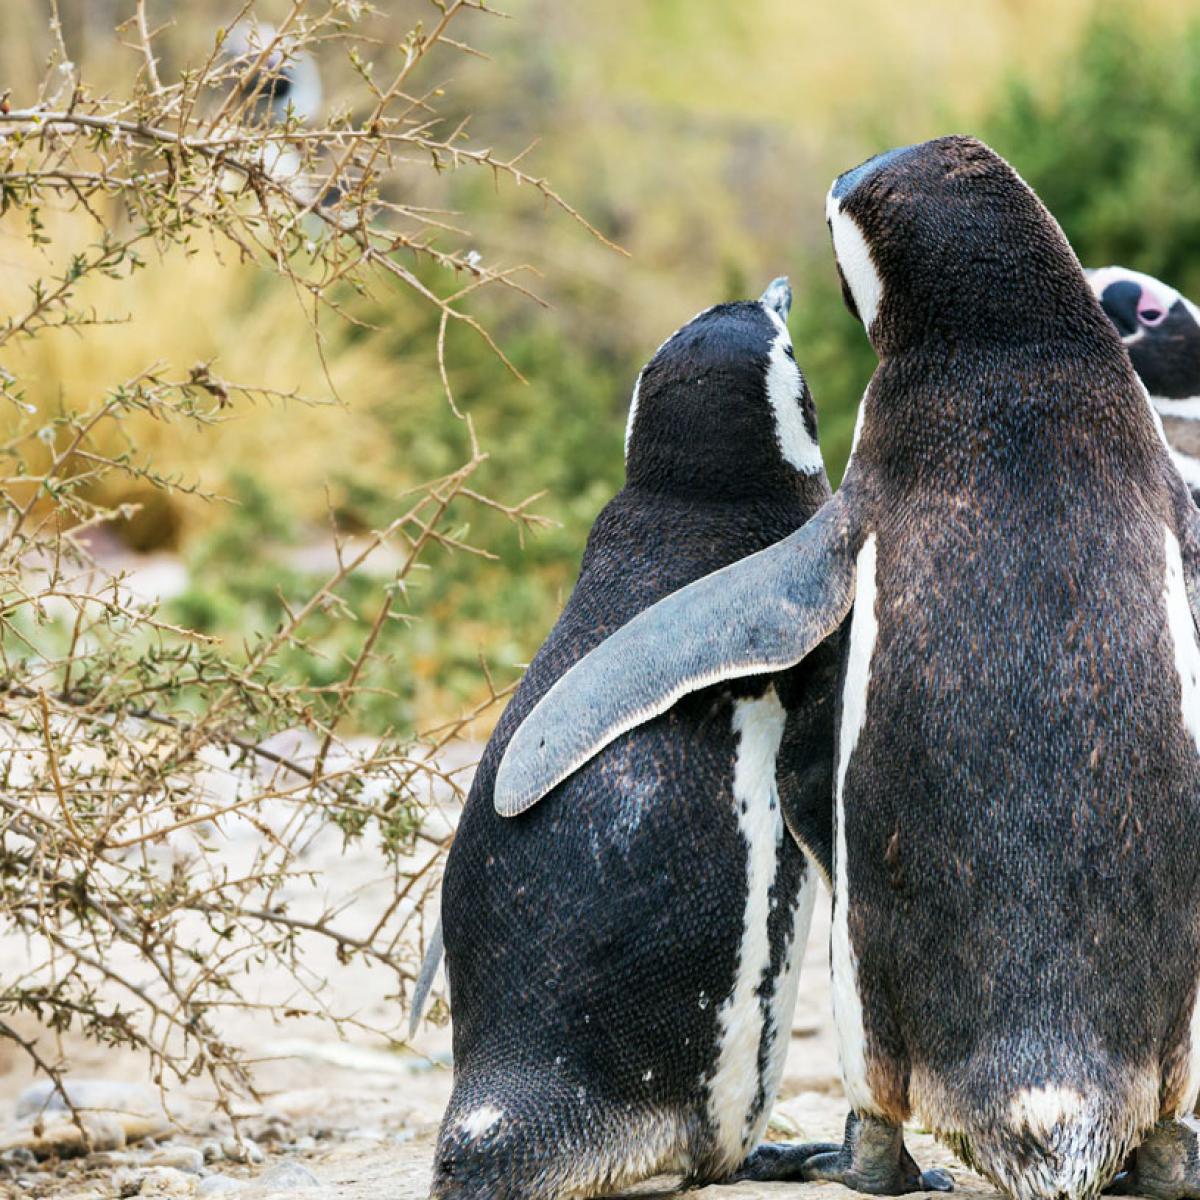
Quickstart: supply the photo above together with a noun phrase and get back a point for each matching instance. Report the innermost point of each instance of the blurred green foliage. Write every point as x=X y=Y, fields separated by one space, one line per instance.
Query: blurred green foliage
x=1110 y=144
x=687 y=134
x=1113 y=146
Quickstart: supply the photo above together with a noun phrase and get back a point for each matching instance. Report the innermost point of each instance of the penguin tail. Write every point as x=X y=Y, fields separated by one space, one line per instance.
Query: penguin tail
x=525 y=1133
x=1054 y=1140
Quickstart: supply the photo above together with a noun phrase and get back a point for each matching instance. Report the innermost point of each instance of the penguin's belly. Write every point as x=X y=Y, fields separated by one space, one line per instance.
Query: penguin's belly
x=754 y=1019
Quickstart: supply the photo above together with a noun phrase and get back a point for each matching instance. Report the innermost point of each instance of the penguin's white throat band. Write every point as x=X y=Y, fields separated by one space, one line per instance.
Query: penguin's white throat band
x=854 y=258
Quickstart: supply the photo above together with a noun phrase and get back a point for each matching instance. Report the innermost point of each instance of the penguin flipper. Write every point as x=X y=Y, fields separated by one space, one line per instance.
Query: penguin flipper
x=429 y=966
x=812 y=831
x=757 y=616
x=804 y=767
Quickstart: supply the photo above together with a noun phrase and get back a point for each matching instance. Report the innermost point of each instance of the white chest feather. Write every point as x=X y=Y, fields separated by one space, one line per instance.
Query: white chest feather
x=783 y=1001
x=847 y=1005
x=758 y=726
x=1182 y=630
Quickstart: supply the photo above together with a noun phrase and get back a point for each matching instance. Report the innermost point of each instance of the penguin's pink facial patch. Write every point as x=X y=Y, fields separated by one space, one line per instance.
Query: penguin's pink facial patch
x=1151 y=309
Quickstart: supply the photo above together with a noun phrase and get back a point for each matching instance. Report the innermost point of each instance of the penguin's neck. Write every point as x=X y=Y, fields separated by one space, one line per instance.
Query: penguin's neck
x=932 y=415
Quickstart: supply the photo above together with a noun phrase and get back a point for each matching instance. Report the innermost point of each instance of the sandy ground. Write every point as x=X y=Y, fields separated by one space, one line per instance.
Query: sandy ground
x=357 y=1113
x=362 y=1117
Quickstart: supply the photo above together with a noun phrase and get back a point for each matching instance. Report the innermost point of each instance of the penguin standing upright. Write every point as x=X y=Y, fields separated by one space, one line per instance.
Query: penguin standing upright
x=1161 y=332
x=623 y=957
x=1016 y=925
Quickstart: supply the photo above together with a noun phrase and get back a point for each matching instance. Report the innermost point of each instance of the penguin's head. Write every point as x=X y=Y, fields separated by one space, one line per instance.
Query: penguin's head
x=722 y=410
x=287 y=83
x=1160 y=329
x=943 y=241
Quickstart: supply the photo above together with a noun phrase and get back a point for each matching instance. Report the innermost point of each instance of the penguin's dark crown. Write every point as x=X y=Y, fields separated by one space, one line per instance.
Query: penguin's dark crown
x=943 y=241
x=722 y=408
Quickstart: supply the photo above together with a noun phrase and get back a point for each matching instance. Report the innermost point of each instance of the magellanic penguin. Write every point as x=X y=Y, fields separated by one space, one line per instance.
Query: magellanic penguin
x=623 y=957
x=1016 y=929
x=1161 y=332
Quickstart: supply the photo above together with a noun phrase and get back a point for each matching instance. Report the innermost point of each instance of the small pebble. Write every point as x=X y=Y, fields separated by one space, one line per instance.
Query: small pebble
x=20 y=1156
x=366 y=1135
x=182 y=1158
x=284 y=1176
x=112 y=1158
x=101 y=1095
x=211 y=1151
x=167 y=1182
x=127 y=1181
x=242 y=1150
x=303 y=1144
x=215 y=1185
x=273 y=1132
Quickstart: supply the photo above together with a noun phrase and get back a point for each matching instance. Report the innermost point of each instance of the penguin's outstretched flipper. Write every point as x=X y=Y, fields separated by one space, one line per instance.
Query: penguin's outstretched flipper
x=872 y=1159
x=762 y=614
x=429 y=966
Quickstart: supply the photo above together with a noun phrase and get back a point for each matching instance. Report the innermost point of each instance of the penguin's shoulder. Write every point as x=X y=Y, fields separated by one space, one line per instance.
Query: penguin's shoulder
x=642 y=547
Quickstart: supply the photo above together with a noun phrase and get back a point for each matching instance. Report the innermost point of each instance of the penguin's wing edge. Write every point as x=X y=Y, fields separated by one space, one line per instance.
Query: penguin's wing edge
x=762 y=614
x=424 y=984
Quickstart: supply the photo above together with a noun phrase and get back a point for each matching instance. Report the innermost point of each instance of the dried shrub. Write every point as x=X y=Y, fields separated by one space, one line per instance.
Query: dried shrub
x=159 y=790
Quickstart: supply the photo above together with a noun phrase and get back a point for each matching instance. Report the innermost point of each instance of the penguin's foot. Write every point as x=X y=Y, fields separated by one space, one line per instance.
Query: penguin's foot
x=871 y=1159
x=1166 y=1166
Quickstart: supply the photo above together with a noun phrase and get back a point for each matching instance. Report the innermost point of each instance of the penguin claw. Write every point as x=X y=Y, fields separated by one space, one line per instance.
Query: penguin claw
x=872 y=1159
x=1123 y=1184
x=1166 y=1166
x=781 y=1162
x=876 y=1179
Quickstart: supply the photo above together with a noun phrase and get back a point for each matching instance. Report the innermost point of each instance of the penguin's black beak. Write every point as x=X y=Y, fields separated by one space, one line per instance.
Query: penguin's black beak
x=1131 y=307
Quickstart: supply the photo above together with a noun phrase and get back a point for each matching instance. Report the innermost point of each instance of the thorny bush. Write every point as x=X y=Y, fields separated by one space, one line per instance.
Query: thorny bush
x=133 y=749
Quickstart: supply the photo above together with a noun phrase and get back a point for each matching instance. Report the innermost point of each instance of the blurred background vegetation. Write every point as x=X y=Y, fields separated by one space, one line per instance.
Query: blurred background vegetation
x=702 y=137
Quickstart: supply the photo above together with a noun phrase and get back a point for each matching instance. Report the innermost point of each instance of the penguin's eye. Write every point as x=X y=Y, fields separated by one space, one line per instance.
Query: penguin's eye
x=1151 y=316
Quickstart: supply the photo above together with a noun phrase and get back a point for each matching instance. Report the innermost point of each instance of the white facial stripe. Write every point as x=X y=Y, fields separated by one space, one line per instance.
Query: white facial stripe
x=847 y=1004
x=860 y=417
x=854 y=257
x=785 y=386
x=758 y=726
x=633 y=407
x=1103 y=276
